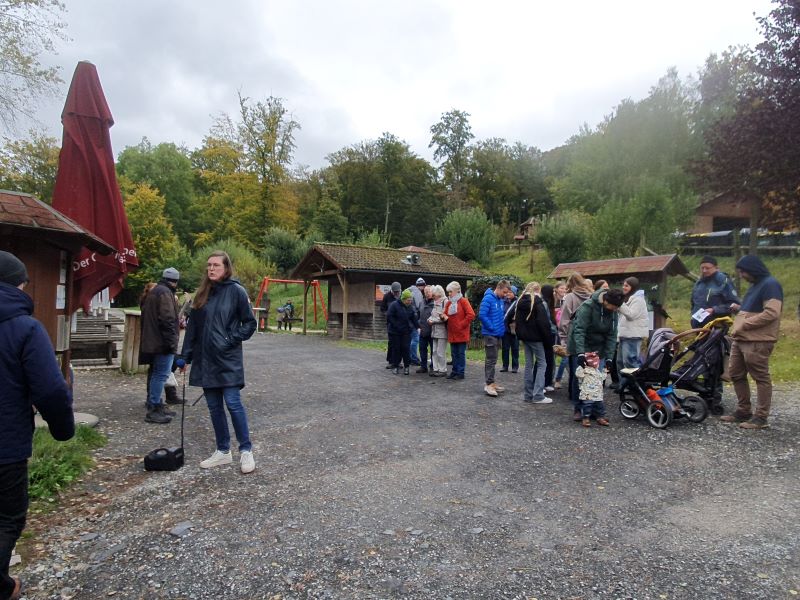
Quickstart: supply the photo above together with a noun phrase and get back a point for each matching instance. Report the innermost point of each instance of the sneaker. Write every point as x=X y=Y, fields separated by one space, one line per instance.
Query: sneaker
x=734 y=418
x=405 y=371
x=557 y=385
x=544 y=400
x=490 y=390
x=515 y=370
x=504 y=370
x=586 y=422
x=247 y=463
x=498 y=388
x=452 y=375
x=217 y=459
x=549 y=388
x=577 y=416
x=602 y=421
x=754 y=423
x=421 y=370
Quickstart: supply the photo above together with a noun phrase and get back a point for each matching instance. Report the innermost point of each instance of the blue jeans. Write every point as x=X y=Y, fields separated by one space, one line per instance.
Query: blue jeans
x=628 y=356
x=415 y=346
x=160 y=368
x=232 y=399
x=590 y=408
x=458 y=351
x=534 y=378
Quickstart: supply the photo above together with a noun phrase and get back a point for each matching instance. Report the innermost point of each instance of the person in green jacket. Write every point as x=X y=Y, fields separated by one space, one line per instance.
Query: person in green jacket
x=593 y=329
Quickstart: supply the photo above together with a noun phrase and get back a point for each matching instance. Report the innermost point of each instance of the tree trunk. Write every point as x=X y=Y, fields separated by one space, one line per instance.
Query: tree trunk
x=755 y=217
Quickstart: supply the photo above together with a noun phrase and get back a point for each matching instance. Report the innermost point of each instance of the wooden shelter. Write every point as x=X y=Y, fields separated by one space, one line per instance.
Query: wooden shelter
x=46 y=241
x=724 y=212
x=358 y=276
x=651 y=271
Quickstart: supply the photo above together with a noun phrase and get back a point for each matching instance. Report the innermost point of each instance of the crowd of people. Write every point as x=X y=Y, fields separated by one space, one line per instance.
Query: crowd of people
x=597 y=331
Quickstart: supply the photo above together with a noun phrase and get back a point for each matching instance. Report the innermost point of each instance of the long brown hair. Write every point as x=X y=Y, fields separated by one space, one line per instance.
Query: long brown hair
x=204 y=289
x=576 y=281
x=147 y=289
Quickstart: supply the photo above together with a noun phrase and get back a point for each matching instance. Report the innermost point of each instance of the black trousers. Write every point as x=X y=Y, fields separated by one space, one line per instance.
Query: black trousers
x=400 y=345
x=425 y=344
x=13 y=510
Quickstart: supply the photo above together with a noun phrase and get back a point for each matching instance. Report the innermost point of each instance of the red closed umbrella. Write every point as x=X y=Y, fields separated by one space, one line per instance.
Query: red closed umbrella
x=86 y=188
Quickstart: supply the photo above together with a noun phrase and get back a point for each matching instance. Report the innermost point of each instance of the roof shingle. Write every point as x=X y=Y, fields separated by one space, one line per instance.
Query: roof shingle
x=670 y=263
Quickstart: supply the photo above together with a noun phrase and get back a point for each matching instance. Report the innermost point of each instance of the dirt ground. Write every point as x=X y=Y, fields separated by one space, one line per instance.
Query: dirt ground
x=371 y=485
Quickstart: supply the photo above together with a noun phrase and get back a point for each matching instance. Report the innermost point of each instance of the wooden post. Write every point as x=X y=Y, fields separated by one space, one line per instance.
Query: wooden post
x=737 y=254
x=755 y=217
x=131 y=341
x=345 y=302
x=305 y=306
x=530 y=267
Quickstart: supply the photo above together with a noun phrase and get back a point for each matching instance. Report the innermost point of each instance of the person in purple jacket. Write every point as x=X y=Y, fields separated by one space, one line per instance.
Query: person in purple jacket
x=30 y=379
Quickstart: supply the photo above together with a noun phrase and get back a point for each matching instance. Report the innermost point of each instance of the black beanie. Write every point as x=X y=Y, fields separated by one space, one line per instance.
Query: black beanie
x=12 y=269
x=708 y=259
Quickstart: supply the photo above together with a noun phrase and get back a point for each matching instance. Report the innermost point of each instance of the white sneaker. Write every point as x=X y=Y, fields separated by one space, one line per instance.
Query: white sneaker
x=549 y=388
x=247 y=463
x=544 y=400
x=498 y=388
x=489 y=389
x=217 y=459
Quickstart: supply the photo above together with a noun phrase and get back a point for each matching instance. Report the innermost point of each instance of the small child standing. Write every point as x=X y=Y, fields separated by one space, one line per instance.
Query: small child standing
x=590 y=379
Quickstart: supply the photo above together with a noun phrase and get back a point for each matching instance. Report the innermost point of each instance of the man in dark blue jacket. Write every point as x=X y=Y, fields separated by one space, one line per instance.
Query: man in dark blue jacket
x=30 y=378
x=713 y=293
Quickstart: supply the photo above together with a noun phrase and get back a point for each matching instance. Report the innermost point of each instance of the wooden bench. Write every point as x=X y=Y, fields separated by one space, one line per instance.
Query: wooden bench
x=96 y=337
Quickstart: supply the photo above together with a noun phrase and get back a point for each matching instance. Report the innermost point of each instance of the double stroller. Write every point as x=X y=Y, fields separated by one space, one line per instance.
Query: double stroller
x=679 y=377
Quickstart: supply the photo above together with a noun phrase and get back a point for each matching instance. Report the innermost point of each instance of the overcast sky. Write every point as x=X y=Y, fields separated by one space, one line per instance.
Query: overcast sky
x=348 y=71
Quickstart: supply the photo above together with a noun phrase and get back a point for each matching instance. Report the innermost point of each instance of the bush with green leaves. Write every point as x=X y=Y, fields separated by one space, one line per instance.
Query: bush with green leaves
x=373 y=238
x=468 y=234
x=248 y=268
x=284 y=249
x=564 y=236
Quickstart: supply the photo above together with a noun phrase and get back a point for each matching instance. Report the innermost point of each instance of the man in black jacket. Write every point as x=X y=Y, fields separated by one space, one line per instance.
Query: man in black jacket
x=29 y=377
x=160 y=327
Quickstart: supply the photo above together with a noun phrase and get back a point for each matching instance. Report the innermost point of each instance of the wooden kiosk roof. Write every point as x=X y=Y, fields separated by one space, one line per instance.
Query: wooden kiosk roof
x=326 y=260
x=669 y=264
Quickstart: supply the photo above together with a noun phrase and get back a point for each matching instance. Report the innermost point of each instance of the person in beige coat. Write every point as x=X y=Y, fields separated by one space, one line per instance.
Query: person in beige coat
x=754 y=333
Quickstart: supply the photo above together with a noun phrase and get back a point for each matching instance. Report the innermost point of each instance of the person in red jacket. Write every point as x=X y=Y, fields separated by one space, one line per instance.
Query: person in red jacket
x=458 y=315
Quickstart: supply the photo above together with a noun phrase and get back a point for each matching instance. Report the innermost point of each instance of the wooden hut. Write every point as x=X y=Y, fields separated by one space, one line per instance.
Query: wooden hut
x=651 y=271
x=46 y=241
x=358 y=276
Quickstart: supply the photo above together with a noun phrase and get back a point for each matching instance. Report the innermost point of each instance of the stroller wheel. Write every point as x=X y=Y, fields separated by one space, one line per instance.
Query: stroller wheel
x=629 y=409
x=695 y=409
x=659 y=415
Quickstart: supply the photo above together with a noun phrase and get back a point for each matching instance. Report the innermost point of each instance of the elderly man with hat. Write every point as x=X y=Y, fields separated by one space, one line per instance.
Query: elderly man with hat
x=30 y=378
x=160 y=332
x=418 y=303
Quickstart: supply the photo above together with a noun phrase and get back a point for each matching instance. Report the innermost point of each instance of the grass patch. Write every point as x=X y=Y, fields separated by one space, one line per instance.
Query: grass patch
x=279 y=293
x=54 y=465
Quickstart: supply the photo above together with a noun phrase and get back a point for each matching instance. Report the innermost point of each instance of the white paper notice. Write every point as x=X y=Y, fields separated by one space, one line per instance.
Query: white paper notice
x=700 y=316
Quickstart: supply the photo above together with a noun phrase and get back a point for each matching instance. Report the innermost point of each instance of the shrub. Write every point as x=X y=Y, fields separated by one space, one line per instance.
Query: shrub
x=564 y=236
x=468 y=234
x=283 y=248
x=247 y=267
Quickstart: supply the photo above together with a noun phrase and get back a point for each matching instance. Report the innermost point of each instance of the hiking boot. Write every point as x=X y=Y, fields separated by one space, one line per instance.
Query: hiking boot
x=577 y=416
x=154 y=415
x=162 y=408
x=754 y=423
x=490 y=391
x=217 y=459
x=602 y=421
x=452 y=375
x=498 y=388
x=734 y=418
x=421 y=370
x=586 y=422
x=171 y=393
x=247 y=464
x=17 y=589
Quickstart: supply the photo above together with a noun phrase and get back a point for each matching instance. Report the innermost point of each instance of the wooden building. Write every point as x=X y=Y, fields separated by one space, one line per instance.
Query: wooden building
x=358 y=276
x=46 y=241
x=723 y=212
x=651 y=271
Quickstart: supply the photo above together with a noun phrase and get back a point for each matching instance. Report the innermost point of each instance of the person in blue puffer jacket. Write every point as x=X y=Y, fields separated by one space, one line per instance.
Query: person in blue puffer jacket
x=30 y=378
x=492 y=315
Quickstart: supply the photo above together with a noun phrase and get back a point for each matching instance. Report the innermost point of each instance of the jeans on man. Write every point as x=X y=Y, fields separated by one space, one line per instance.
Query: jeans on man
x=415 y=347
x=492 y=345
x=511 y=344
x=217 y=399
x=13 y=510
x=751 y=358
x=534 y=377
x=161 y=367
x=458 y=351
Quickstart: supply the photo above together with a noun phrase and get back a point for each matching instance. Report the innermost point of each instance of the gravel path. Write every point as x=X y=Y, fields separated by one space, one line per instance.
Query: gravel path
x=371 y=485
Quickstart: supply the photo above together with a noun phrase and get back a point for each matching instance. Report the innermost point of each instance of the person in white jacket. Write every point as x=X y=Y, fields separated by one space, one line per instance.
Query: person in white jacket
x=633 y=327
